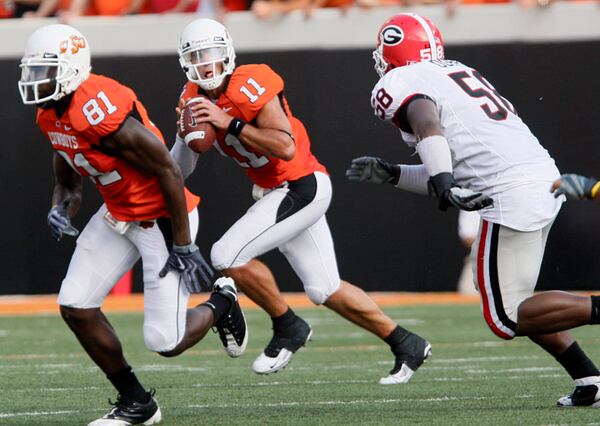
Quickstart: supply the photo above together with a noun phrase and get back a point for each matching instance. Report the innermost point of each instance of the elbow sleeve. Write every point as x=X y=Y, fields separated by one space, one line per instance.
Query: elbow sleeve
x=435 y=154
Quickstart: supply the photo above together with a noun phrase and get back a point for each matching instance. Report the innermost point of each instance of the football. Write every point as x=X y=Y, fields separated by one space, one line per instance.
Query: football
x=198 y=136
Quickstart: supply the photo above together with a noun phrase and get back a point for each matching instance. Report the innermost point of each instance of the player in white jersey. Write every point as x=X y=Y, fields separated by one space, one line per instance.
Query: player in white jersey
x=468 y=135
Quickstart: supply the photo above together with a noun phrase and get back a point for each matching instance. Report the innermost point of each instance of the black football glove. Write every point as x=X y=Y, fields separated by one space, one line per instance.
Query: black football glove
x=193 y=269
x=444 y=187
x=59 y=222
x=576 y=187
x=373 y=170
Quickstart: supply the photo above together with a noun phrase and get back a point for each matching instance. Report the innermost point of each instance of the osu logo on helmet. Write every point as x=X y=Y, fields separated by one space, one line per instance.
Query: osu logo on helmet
x=76 y=44
x=405 y=39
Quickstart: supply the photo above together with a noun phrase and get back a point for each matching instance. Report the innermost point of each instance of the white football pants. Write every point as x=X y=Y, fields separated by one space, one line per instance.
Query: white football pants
x=506 y=266
x=292 y=218
x=101 y=258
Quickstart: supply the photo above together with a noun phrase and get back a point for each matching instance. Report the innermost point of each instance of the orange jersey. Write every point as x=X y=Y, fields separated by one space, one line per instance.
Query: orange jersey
x=249 y=89
x=98 y=108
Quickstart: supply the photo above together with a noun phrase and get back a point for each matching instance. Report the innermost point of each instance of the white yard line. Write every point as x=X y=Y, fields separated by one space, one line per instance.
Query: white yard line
x=483 y=359
x=291 y=383
x=514 y=370
x=36 y=413
x=352 y=402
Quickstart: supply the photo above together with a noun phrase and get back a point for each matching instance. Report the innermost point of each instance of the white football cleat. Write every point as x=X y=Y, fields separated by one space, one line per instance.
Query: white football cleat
x=401 y=376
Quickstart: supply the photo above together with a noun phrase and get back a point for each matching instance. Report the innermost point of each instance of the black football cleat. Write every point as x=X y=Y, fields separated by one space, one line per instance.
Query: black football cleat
x=232 y=328
x=127 y=412
x=410 y=355
x=586 y=394
x=285 y=342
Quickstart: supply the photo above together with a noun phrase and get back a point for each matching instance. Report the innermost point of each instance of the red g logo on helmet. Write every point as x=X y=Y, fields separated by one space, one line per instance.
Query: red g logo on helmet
x=392 y=35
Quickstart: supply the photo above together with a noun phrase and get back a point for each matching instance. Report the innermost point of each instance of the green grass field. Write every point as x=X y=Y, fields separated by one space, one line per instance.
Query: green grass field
x=472 y=378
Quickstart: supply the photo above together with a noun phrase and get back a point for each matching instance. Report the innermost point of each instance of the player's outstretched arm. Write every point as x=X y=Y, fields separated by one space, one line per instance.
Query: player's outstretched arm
x=576 y=187
x=412 y=178
x=66 y=199
x=423 y=118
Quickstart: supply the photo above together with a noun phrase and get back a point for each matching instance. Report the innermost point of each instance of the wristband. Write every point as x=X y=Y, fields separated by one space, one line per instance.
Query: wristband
x=235 y=127
x=187 y=249
x=441 y=183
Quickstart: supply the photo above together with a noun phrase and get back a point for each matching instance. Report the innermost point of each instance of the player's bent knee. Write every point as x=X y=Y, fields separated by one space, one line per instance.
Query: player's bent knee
x=171 y=353
x=221 y=256
x=158 y=340
x=318 y=295
x=74 y=316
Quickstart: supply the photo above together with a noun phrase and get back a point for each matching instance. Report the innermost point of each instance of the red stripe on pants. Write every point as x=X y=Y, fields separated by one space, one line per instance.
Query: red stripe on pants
x=481 y=262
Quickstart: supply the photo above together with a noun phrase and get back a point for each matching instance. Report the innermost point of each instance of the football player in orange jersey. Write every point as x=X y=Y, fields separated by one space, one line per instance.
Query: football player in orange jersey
x=99 y=129
x=292 y=191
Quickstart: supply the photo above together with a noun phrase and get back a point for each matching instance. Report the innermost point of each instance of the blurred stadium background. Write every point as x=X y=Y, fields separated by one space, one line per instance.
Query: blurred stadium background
x=545 y=59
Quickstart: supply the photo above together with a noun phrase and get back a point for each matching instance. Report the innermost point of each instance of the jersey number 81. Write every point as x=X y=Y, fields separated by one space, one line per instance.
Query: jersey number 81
x=94 y=113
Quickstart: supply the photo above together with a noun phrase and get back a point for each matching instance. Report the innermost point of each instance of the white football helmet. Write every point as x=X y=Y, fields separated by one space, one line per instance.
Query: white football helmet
x=206 y=43
x=55 y=63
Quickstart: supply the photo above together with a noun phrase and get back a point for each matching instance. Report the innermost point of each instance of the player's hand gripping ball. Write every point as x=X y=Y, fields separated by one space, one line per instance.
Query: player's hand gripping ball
x=198 y=136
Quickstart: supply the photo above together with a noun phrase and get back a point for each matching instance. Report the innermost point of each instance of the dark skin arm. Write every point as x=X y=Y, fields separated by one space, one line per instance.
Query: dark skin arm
x=67 y=185
x=271 y=135
x=139 y=147
x=424 y=120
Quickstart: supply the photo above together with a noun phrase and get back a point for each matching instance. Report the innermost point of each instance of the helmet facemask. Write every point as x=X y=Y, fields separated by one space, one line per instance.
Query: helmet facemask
x=207 y=64
x=45 y=79
x=381 y=65
x=56 y=62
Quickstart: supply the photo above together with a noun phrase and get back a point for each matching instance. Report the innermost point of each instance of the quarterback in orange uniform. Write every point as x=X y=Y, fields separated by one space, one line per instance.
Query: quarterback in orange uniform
x=99 y=129
x=292 y=190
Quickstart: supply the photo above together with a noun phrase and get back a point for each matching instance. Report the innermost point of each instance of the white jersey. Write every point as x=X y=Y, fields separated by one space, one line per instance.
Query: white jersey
x=493 y=151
